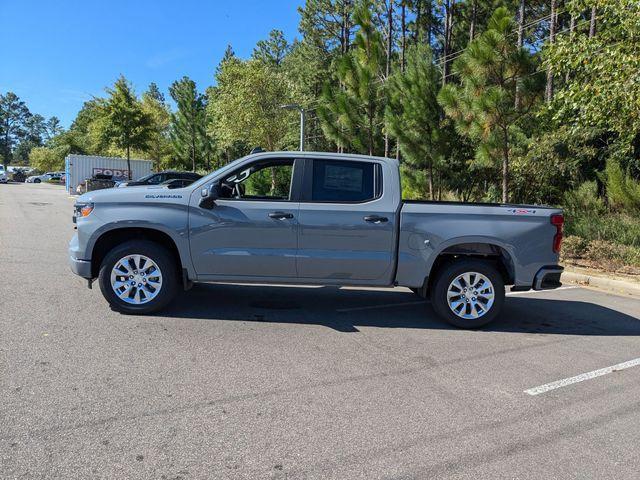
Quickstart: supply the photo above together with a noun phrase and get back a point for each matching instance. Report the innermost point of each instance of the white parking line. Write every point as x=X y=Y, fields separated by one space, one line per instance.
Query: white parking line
x=529 y=292
x=387 y=305
x=582 y=377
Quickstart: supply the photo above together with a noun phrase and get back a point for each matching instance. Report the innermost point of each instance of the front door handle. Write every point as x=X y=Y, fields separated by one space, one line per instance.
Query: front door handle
x=280 y=215
x=375 y=219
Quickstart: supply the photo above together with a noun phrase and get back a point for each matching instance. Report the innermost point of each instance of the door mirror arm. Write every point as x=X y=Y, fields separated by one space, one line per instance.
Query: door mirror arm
x=209 y=195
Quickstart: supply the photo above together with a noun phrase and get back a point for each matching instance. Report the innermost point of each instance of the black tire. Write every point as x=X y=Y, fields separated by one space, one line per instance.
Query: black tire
x=451 y=272
x=37 y=180
x=161 y=256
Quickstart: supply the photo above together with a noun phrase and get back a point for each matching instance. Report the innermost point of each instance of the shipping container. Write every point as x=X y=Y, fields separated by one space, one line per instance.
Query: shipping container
x=79 y=168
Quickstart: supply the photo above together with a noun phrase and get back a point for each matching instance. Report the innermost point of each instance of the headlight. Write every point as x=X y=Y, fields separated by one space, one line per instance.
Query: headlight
x=83 y=209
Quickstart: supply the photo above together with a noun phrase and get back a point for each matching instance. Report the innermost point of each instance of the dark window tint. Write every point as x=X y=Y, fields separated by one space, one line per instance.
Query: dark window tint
x=337 y=181
x=156 y=179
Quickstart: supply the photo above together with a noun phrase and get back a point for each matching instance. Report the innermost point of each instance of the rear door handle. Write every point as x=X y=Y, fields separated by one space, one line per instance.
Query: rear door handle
x=280 y=215
x=375 y=219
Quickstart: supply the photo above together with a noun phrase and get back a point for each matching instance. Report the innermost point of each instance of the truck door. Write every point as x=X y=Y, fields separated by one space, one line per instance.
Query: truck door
x=347 y=222
x=252 y=230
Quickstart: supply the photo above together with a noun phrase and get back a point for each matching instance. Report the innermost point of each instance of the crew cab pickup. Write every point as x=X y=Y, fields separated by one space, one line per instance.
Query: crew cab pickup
x=312 y=218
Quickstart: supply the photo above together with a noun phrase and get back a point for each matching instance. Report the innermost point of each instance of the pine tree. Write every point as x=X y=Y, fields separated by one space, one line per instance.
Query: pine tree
x=483 y=106
x=188 y=123
x=413 y=114
x=272 y=51
x=14 y=115
x=351 y=114
x=328 y=24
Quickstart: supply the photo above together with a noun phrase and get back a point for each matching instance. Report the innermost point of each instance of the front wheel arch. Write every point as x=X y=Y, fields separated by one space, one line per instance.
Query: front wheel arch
x=112 y=238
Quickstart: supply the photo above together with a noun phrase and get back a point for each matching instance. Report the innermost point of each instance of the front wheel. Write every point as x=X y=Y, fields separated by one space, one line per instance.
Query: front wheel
x=468 y=293
x=138 y=277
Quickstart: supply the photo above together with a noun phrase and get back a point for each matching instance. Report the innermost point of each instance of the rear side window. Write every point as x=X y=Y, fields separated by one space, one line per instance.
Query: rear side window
x=338 y=181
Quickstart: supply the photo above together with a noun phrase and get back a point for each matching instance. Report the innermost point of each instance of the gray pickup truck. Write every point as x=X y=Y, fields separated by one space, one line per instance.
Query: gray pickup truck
x=312 y=218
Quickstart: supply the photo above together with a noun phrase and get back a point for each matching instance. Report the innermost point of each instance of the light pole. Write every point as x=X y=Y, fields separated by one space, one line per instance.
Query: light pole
x=295 y=106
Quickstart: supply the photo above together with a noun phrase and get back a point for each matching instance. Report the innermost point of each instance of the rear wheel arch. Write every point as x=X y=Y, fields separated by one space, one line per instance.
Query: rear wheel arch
x=486 y=251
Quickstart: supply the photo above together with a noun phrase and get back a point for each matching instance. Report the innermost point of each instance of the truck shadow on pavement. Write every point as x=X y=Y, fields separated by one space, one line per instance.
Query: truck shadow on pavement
x=345 y=310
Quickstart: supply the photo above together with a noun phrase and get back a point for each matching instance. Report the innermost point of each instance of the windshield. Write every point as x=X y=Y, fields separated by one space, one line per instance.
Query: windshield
x=219 y=171
x=145 y=178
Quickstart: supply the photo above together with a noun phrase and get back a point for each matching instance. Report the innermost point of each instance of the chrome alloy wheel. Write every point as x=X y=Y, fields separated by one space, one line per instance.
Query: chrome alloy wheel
x=136 y=279
x=470 y=295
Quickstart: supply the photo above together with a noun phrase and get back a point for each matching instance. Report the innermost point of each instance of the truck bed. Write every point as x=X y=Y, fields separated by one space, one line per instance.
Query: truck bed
x=521 y=234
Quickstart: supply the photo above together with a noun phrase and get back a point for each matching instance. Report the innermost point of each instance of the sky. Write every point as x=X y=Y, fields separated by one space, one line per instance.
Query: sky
x=58 y=54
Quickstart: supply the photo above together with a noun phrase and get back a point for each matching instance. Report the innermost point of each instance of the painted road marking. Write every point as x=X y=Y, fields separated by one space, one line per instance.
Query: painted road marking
x=582 y=377
x=528 y=292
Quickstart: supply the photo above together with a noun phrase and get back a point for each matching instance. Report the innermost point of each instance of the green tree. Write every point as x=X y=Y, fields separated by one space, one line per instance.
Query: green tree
x=413 y=113
x=483 y=106
x=327 y=24
x=351 y=113
x=14 y=116
x=246 y=105
x=602 y=88
x=272 y=51
x=45 y=159
x=188 y=123
x=159 y=146
x=123 y=123
x=53 y=127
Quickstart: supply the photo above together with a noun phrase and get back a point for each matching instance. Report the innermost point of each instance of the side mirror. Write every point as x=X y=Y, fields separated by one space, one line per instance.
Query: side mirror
x=209 y=195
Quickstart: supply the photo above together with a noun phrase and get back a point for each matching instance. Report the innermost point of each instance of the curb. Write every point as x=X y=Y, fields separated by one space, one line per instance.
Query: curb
x=604 y=283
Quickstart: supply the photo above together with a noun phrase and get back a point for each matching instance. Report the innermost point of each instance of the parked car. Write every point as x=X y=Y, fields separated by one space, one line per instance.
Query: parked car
x=3 y=174
x=44 y=177
x=312 y=218
x=160 y=177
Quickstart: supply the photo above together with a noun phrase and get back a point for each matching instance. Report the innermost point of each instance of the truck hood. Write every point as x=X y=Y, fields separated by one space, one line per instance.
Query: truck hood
x=134 y=194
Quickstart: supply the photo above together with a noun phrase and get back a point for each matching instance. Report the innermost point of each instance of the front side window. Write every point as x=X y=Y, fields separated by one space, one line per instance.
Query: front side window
x=269 y=180
x=343 y=181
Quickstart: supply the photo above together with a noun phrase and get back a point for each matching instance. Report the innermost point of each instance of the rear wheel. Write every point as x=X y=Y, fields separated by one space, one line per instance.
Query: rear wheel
x=468 y=293
x=138 y=277
x=37 y=180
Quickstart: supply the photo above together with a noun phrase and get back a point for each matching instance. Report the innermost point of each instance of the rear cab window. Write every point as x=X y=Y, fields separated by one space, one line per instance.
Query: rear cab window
x=338 y=181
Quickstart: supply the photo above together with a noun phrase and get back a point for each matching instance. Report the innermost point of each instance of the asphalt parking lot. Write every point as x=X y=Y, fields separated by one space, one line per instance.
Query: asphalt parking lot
x=253 y=382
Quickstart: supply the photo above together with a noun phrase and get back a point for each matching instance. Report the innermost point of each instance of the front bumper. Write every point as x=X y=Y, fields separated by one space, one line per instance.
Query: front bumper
x=78 y=266
x=548 y=278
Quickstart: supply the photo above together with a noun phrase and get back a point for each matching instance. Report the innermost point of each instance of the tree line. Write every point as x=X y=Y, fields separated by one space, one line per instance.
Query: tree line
x=483 y=100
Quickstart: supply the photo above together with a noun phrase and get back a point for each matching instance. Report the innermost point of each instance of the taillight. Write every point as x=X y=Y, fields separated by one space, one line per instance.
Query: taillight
x=557 y=220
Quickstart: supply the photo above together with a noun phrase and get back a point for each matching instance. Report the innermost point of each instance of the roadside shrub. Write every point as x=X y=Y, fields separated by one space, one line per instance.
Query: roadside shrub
x=584 y=199
x=604 y=251
x=574 y=247
x=623 y=191
x=588 y=217
x=612 y=256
